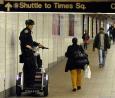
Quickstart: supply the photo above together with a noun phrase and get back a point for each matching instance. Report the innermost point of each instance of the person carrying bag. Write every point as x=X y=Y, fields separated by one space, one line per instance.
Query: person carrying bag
x=77 y=59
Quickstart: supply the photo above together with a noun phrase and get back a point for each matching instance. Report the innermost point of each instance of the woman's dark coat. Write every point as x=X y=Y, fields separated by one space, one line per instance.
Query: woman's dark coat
x=70 y=65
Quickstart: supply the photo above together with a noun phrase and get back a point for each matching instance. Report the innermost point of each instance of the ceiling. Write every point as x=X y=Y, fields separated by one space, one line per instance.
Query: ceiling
x=102 y=16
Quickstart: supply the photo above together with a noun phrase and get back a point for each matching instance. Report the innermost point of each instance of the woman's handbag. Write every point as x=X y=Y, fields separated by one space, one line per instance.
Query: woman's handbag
x=81 y=58
x=78 y=54
x=87 y=72
x=82 y=61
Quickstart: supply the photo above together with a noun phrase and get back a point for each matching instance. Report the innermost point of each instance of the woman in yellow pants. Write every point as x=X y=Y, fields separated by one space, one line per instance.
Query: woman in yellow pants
x=73 y=66
x=76 y=77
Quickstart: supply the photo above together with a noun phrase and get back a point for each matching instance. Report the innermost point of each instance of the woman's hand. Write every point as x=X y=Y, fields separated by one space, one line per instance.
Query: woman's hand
x=28 y=46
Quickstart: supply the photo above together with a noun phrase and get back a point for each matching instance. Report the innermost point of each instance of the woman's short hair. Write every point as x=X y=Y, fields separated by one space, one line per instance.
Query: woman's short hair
x=74 y=40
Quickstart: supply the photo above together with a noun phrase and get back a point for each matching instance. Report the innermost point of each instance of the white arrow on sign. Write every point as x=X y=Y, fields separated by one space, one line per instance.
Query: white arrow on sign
x=8 y=6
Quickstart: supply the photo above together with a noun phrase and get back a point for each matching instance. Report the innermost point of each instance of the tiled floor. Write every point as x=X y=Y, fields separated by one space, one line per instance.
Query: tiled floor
x=101 y=85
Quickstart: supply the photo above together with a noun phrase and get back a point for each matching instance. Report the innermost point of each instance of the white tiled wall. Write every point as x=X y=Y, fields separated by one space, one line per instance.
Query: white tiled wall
x=2 y=51
x=10 y=26
x=11 y=49
x=64 y=32
x=90 y=26
x=78 y=27
x=94 y=27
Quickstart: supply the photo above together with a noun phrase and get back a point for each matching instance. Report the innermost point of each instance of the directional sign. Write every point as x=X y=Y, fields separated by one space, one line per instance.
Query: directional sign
x=8 y=6
x=59 y=6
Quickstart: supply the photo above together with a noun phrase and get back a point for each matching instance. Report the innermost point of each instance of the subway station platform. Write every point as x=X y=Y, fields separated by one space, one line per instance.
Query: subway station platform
x=101 y=84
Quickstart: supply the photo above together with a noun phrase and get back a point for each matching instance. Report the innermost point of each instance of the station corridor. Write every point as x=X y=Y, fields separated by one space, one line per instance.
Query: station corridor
x=101 y=84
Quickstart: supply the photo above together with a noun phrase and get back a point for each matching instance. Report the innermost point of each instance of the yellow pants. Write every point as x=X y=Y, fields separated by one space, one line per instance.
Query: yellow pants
x=76 y=76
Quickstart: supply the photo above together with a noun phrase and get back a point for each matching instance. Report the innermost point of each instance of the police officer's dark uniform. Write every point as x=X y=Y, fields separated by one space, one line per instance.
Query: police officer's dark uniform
x=29 y=63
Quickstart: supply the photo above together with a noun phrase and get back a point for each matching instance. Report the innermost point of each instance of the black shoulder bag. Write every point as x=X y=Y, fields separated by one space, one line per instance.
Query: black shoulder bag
x=81 y=58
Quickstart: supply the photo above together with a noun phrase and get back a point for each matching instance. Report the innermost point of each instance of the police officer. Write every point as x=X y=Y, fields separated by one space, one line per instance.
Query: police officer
x=27 y=44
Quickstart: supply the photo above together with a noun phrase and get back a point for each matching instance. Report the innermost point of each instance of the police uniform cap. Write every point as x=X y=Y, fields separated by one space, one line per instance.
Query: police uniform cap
x=29 y=22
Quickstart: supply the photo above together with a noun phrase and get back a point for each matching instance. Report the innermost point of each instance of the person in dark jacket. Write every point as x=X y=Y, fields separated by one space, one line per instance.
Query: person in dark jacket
x=73 y=66
x=102 y=43
x=27 y=44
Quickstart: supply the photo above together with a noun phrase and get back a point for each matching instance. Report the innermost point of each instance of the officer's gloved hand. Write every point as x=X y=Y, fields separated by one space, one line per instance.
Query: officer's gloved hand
x=45 y=48
x=33 y=51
